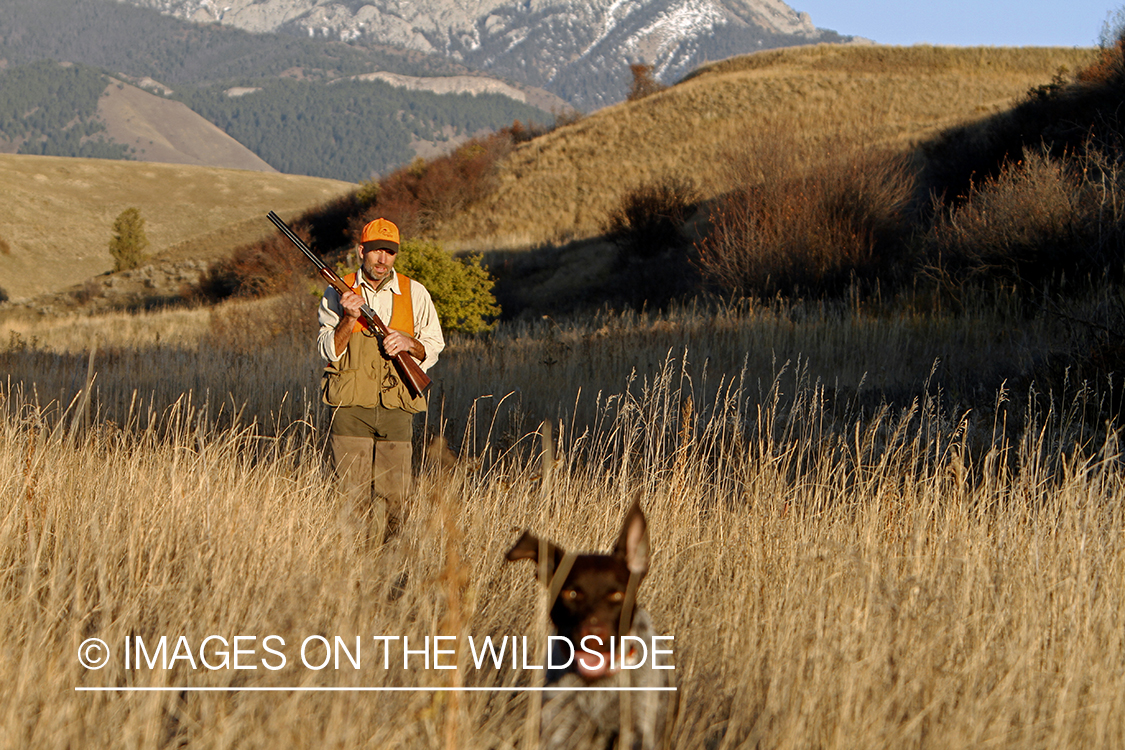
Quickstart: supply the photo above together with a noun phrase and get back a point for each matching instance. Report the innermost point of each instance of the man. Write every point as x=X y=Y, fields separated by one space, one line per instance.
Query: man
x=373 y=409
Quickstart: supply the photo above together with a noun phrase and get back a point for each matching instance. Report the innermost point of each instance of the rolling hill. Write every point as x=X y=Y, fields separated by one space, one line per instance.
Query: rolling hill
x=562 y=186
x=159 y=130
x=59 y=213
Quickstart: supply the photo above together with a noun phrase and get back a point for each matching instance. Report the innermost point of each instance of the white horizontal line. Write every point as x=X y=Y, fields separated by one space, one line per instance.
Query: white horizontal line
x=372 y=689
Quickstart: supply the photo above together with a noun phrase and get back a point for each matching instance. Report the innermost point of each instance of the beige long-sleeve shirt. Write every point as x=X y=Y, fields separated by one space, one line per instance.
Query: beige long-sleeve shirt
x=427 y=327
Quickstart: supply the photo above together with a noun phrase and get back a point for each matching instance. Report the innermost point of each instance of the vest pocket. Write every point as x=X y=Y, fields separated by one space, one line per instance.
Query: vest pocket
x=399 y=398
x=339 y=387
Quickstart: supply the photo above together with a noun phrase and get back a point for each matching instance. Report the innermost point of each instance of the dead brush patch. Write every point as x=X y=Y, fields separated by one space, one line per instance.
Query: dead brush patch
x=425 y=193
x=1043 y=221
x=790 y=230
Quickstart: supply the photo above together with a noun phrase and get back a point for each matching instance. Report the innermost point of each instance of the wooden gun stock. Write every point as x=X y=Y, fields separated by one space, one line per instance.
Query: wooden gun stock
x=417 y=381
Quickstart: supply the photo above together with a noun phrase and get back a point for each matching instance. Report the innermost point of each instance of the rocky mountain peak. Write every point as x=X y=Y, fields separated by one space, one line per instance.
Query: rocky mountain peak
x=576 y=49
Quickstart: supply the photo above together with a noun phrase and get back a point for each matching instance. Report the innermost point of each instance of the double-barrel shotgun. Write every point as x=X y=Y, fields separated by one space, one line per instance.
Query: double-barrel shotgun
x=417 y=381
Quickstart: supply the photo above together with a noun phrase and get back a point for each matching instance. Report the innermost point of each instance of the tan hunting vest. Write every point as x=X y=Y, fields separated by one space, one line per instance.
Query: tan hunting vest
x=363 y=376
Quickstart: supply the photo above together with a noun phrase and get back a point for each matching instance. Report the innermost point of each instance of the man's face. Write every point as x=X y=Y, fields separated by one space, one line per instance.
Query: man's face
x=377 y=262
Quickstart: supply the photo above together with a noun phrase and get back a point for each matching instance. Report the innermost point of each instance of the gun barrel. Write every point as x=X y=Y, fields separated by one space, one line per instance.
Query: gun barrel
x=277 y=222
x=416 y=379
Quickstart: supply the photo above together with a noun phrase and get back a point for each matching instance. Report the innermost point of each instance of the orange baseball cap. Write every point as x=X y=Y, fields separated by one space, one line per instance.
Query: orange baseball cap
x=382 y=234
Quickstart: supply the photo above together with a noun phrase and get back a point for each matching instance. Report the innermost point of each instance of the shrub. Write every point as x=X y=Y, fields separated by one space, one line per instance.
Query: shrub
x=1042 y=220
x=327 y=227
x=1113 y=29
x=653 y=264
x=788 y=231
x=648 y=219
x=644 y=84
x=5 y=248
x=129 y=241
x=256 y=270
x=367 y=193
x=461 y=288
x=272 y=264
x=520 y=133
x=420 y=196
x=89 y=291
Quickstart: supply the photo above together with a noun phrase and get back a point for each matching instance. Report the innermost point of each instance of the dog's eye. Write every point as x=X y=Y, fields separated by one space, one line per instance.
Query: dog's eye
x=617 y=596
x=571 y=595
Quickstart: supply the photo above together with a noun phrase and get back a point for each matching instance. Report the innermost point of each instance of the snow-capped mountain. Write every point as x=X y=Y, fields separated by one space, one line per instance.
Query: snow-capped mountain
x=577 y=49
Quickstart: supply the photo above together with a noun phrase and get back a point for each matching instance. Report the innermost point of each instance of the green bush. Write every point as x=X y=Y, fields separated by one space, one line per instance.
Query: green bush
x=461 y=288
x=129 y=241
x=367 y=193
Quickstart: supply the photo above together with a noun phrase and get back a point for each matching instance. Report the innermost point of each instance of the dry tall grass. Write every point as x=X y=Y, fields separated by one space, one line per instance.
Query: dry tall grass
x=835 y=577
x=1042 y=220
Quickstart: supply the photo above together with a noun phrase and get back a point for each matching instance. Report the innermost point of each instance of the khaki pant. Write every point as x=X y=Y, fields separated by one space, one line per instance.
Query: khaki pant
x=364 y=463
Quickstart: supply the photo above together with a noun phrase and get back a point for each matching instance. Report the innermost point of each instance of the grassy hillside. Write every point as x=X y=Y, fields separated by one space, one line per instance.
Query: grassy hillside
x=563 y=185
x=59 y=213
x=159 y=130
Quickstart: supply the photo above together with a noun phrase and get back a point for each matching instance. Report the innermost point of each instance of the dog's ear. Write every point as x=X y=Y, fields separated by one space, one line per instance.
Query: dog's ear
x=528 y=547
x=632 y=543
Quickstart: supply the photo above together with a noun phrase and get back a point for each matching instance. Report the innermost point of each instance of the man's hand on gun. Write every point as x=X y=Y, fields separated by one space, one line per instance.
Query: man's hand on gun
x=396 y=342
x=352 y=304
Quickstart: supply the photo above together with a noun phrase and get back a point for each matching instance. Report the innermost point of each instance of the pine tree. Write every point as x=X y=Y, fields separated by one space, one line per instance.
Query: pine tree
x=129 y=241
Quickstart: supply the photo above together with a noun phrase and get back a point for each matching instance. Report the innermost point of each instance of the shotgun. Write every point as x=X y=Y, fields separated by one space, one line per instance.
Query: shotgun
x=412 y=374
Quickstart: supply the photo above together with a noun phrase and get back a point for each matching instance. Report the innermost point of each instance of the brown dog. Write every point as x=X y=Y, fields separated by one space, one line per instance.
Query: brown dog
x=593 y=605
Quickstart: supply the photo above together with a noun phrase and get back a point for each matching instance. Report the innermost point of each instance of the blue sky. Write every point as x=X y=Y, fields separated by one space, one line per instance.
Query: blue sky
x=1002 y=23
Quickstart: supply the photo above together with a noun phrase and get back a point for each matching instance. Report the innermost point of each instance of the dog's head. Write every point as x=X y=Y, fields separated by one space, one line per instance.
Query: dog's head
x=595 y=592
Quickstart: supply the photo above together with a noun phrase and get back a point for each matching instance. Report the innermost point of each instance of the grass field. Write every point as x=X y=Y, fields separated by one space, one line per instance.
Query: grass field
x=940 y=570
x=59 y=213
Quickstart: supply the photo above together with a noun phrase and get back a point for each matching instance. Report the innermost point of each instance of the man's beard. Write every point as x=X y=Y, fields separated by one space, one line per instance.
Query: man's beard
x=369 y=271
